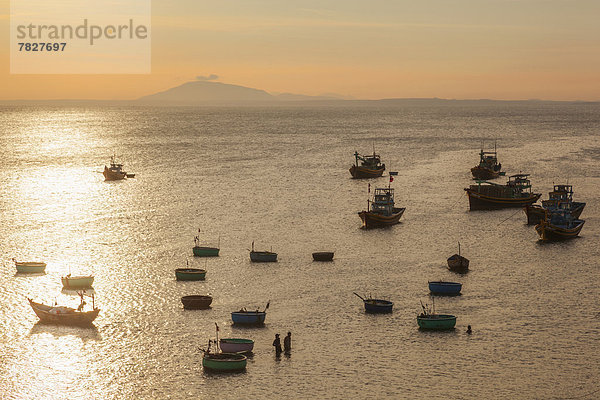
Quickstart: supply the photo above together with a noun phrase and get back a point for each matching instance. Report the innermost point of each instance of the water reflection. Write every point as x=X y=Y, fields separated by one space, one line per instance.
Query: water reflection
x=83 y=332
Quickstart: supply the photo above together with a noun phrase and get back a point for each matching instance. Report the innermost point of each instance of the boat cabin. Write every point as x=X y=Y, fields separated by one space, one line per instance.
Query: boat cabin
x=561 y=193
x=371 y=161
x=383 y=201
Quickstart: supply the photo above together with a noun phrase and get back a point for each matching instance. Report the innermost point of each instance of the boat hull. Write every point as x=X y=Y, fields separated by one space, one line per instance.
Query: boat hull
x=110 y=175
x=373 y=220
x=478 y=201
x=364 y=173
x=445 y=288
x=30 y=267
x=190 y=274
x=263 y=256
x=535 y=213
x=323 y=256
x=224 y=362
x=438 y=322
x=552 y=233
x=248 y=318
x=484 y=173
x=458 y=263
x=77 y=282
x=200 y=251
x=196 y=302
x=236 y=345
x=378 y=306
x=73 y=317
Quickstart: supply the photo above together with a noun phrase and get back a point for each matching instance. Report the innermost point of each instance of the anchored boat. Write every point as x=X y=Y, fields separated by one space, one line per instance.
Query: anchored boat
x=559 y=225
x=429 y=320
x=190 y=274
x=77 y=282
x=488 y=167
x=196 y=302
x=381 y=211
x=30 y=267
x=376 y=305
x=65 y=315
x=367 y=166
x=458 y=263
x=262 y=256
x=561 y=198
x=235 y=345
x=245 y=317
x=323 y=256
x=490 y=196
x=205 y=251
x=445 y=288
x=222 y=361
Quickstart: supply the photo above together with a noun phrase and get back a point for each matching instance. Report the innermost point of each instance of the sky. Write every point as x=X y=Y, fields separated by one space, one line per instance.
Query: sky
x=459 y=49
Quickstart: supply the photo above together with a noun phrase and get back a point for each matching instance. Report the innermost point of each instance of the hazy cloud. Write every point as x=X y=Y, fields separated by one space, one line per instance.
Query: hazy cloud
x=210 y=77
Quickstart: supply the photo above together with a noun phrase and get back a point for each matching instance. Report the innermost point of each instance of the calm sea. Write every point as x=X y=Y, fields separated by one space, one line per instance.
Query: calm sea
x=279 y=177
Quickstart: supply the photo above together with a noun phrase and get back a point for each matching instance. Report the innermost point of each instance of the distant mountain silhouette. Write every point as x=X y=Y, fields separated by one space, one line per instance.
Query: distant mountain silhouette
x=206 y=92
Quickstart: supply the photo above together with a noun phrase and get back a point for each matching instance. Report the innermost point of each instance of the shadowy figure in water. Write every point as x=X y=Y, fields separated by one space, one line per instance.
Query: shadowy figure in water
x=469 y=330
x=277 y=345
x=287 y=343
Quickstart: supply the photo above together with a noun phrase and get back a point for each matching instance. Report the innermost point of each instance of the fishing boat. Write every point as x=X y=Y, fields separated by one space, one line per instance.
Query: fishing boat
x=458 y=263
x=559 y=225
x=77 y=282
x=376 y=306
x=190 y=274
x=65 y=315
x=367 y=166
x=323 y=256
x=445 y=288
x=488 y=167
x=205 y=251
x=381 y=211
x=236 y=345
x=262 y=256
x=490 y=196
x=29 y=267
x=245 y=317
x=196 y=302
x=560 y=198
x=221 y=361
x=430 y=320
x=115 y=171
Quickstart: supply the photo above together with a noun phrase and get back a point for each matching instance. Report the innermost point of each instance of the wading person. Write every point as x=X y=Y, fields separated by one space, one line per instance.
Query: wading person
x=277 y=344
x=287 y=343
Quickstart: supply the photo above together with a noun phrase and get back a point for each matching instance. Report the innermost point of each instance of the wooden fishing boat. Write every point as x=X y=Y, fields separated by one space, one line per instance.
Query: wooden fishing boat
x=561 y=198
x=115 y=171
x=490 y=196
x=65 y=315
x=196 y=302
x=245 y=317
x=224 y=362
x=429 y=320
x=235 y=345
x=559 y=225
x=77 y=282
x=205 y=251
x=190 y=274
x=367 y=166
x=445 y=288
x=381 y=211
x=262 y=256
x=376 y=305
x=29 y=267
x=458 y=263
x=323 y=256
x=488 y=167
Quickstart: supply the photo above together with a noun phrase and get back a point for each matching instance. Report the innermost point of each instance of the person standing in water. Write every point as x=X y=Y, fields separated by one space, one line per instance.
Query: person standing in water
x=277 y=344
x=287 y=343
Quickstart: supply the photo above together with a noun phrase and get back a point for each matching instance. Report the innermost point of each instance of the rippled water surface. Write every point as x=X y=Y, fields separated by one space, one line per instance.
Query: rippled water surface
x=279 y=177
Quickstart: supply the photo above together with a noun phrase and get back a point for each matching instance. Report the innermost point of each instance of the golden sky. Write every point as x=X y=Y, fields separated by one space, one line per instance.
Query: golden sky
x=499 y=49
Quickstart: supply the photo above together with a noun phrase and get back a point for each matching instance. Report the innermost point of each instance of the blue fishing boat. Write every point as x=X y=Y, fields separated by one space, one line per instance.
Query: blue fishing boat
x=445 y=288
x=376 y=305
x=245 y=317
x=381 y=211
x=561 y=198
